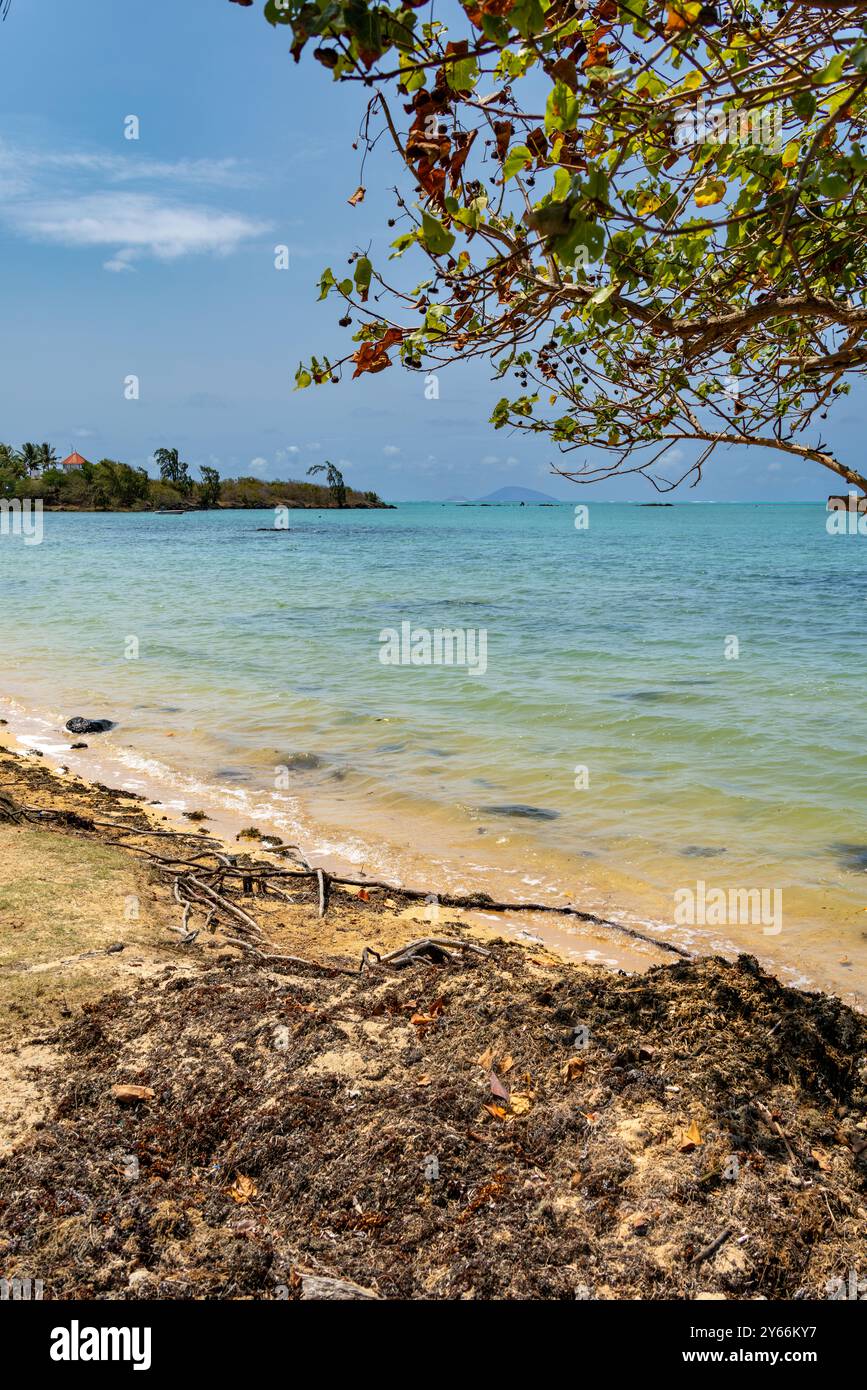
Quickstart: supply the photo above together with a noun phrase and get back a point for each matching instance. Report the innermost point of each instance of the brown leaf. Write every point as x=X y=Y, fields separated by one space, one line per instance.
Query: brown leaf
x=357 y=197
x=243 y=1189
x=574 y=1067
x=503 y=131
x=537 y=143
x=821 y=1159
x=371 y=357
x=565 y=70
x=497 y=1087
x=690 y=1138
x=486 y=1061
x=423 y=1022
x=506 y=1063
x=496 y=1110
x=128 y=1094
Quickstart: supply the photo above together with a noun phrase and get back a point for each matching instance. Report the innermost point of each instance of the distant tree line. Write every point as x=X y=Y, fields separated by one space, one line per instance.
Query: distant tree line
x=34 y=471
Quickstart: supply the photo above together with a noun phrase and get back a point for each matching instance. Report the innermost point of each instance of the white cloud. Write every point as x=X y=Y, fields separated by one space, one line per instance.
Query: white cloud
x=258 y=467
x=72 y=198
x=391 y=451
x=22 y=166
x=136 y=224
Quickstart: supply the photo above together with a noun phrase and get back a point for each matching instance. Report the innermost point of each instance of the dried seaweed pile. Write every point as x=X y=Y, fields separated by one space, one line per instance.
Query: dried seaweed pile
x=494 y=1127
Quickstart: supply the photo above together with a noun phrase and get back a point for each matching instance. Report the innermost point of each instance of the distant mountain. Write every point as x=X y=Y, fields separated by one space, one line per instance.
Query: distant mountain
x=516 y=494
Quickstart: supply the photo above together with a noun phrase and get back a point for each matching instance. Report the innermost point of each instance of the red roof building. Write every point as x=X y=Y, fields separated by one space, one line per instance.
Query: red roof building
x=73 y=461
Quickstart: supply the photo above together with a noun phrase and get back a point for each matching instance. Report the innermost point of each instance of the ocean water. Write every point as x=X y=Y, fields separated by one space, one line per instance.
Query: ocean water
x=671 y=695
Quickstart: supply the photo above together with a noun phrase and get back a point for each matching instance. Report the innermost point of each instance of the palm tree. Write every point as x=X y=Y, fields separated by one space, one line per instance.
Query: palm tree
x=30 y=457
x=47 y=456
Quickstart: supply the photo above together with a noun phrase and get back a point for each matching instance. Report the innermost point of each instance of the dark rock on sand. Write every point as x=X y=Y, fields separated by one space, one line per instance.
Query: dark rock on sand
x=852 y=857
x=74 y=746
x=519 y=809
x=89 y=726
x=302 y=762
x=702 y=851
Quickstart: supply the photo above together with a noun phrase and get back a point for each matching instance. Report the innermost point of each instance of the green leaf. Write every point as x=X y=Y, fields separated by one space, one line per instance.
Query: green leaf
x=834 y=185
x=561 y=110
x=363 y=271
x=436 y=238
x=600 y=296
x=519 y=157
x=326 y=283
x=528 y=16
x=833 y=72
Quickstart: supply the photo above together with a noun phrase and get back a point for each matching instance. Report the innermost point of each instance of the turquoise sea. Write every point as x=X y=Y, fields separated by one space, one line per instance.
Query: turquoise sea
x=672 y=694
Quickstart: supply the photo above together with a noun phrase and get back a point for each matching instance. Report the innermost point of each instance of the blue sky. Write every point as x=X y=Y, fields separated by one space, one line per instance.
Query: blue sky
x=155 y=258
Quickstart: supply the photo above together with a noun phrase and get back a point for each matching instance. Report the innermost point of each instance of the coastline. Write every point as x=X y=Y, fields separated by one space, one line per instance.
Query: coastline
x=230 y=1074
x=505 y=869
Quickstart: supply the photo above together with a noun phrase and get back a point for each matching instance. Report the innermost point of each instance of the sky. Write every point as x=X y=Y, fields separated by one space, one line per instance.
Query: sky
x=155 y=258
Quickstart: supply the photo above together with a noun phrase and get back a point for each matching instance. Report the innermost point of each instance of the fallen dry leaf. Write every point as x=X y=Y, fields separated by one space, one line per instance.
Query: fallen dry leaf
x=423 y=1080
x=423 y=1022
x=486 y=1061
x=574 y=1067
x=243 y=1189
x=127 y=1094
x=507 y=1063
x=520 y=1102
x=821 y=1159
x=497 y=1087
x=690 y=1138
x=496 y=1110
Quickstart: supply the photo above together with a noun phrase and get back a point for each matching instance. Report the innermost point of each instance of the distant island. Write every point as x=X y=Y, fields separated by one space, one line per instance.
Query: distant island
x=77 y=485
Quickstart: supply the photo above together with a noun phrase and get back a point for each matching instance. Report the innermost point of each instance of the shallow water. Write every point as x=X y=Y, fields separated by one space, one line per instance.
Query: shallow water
x=243 y=669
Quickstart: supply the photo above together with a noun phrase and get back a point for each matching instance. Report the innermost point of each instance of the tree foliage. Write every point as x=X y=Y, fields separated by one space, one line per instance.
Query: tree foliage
x=173 y=470
x=336 y=485
x=111 y=485
x=648 y=217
